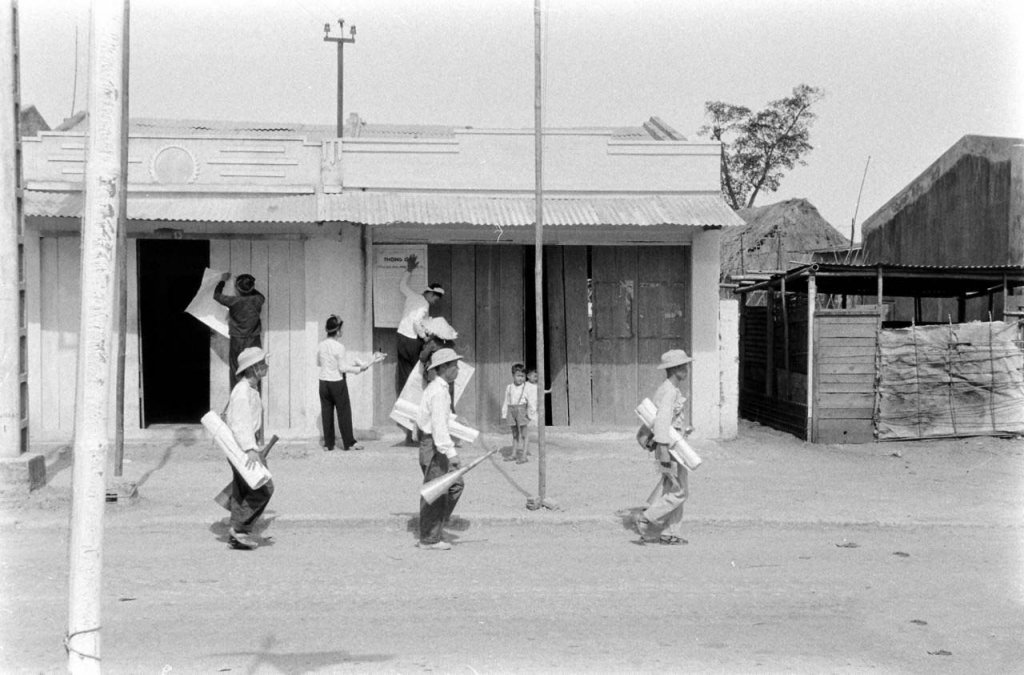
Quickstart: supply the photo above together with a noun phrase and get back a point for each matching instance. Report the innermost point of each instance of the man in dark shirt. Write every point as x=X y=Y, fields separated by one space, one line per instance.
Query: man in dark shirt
x=244 y=325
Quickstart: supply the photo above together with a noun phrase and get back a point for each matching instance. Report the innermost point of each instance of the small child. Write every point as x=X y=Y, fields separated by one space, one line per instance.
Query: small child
x=519 y=407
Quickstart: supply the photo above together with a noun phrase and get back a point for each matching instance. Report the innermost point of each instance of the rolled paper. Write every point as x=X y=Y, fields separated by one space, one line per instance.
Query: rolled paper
x=254 y=478
x=679 y=448
x=406 y=412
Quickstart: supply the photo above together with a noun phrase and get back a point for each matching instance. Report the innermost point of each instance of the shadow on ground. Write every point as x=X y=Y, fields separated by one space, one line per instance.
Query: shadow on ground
x=299 y=662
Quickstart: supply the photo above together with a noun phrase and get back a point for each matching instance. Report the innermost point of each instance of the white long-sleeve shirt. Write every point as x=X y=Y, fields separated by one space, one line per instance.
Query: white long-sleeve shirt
x=432 y=417
x=669 y=402
x=244 y=415
x=415 y=311
x=332 y=361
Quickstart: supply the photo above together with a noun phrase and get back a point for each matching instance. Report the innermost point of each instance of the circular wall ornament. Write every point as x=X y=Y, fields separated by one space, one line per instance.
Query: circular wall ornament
x=173 y=164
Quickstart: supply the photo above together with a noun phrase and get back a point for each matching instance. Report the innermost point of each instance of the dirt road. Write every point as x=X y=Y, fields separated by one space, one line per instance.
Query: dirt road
x=900 y=557
x=333 y=597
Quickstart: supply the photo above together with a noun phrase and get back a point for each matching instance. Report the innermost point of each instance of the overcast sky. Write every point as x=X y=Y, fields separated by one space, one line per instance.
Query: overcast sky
x=904 y=79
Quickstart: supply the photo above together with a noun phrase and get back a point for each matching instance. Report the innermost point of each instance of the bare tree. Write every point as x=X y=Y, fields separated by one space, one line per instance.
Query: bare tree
x=758 y=148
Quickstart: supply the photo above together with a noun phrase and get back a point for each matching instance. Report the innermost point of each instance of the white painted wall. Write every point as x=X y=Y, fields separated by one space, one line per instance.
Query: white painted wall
x=729 y=365
x=706 y=405
x=504 y=161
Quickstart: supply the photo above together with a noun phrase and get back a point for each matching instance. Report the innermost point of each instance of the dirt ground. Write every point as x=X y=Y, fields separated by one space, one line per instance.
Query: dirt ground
x=885 y=558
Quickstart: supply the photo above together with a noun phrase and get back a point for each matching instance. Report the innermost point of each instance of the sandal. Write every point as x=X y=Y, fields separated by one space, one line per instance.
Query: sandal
x=672 y=540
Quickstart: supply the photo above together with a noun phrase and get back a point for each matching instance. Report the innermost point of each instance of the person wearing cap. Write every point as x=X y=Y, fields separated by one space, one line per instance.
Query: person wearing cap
x=411 y=334
x=661 y=520
x=437 y=450
x=244 y=325
x=439 y=334
x=244 y=416
x=334 y=365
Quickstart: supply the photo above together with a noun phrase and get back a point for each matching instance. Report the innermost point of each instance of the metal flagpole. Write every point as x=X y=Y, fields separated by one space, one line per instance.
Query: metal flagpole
x=538 y=257
x=104 y=182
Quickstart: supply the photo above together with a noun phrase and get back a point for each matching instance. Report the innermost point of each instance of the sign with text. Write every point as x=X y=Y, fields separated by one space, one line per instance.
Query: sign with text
x=389 y=265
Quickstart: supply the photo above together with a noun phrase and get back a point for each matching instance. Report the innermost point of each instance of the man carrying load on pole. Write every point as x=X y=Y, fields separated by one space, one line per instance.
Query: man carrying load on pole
x=437 y=449
x=244 y=416
x=660 y=521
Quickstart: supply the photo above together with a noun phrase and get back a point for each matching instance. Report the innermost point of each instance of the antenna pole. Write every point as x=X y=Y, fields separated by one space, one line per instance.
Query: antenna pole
x=853 y=221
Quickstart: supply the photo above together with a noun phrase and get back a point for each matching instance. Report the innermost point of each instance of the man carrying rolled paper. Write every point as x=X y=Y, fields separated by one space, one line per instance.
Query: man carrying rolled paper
x=437 y=449
x=661 y=520
x=244 y=416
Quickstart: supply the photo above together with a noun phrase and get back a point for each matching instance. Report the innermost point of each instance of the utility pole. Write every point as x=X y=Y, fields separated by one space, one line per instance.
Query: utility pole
x=103 y=187
x=538 y=256
x=341 y=40
x=11 y=446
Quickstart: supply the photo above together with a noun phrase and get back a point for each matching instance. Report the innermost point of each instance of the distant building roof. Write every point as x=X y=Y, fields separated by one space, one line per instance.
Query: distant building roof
x=925 y=281
x=248 y=208
x=391 y=208
x=776 y=236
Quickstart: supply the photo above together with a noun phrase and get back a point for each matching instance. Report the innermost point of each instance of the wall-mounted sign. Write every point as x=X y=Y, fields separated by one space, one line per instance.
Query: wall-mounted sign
x=389 y=264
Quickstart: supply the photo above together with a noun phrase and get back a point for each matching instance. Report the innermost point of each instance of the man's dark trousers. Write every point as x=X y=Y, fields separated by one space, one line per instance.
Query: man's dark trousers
x=247 y=505
x=334 y=398
x=434 y=516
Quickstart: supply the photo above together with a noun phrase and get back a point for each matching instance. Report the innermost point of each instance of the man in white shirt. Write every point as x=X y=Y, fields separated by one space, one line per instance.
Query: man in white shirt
x=661 y=520
x=437 y=449
x=411 y=333
x=333 y=364
x=244 y=416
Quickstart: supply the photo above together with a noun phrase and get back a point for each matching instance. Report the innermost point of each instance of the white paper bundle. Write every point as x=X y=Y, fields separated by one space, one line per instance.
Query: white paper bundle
x=679 y=449
x=256 y=478
x=405 y=413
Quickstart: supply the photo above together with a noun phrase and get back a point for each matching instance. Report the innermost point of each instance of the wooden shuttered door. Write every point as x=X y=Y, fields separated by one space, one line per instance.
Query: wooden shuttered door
x=279 y=269
x=610 y=312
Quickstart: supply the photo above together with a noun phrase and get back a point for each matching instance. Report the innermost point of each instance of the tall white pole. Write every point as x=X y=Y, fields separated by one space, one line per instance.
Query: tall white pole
x=104 y=182
x=538 y=264
x=10 y=367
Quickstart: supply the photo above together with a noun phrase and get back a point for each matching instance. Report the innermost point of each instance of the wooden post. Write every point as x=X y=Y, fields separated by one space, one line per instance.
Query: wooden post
x=785 y=334
x=812 y=299
x=104 y=182
x=879 y=287
x=122 y=262
x=538 y=257
x=10 y=330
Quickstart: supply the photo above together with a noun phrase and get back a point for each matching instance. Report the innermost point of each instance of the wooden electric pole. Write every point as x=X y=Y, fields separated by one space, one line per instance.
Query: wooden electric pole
x=341 y=41
x=104 y=184
x=10 y=230
x=538 y=255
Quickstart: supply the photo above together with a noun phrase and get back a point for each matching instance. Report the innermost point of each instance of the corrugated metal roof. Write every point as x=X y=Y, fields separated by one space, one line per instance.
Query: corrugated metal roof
x=185 y=206
x=391 y=208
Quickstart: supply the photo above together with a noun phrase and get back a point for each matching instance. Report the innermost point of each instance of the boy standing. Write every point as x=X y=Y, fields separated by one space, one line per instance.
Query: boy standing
x=519 y=407
x=661 y=520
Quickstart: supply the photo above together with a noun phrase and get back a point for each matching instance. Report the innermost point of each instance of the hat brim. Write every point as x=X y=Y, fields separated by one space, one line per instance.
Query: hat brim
x=241 y=368
x=441 y=363
x=673 y=364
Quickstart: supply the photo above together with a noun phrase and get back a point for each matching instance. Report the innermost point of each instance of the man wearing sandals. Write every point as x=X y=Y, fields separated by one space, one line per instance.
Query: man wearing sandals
x=661 y=520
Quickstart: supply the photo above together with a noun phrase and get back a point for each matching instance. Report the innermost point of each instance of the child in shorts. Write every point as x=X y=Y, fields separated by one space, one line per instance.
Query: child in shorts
x=519 y=407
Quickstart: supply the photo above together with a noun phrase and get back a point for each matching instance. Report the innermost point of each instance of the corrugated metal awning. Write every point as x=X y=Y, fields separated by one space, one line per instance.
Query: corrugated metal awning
x=403 y=208
x=181 y=206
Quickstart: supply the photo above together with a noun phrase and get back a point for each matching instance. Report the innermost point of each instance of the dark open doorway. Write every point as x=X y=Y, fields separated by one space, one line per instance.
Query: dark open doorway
x=175 y=346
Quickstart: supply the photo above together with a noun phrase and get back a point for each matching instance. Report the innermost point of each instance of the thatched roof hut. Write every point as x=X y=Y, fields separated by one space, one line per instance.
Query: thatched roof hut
x=776 y=237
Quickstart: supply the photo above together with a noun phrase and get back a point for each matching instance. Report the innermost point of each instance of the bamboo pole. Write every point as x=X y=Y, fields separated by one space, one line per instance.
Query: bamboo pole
x=104 y=182
x=538 y=262
x=10 y=368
